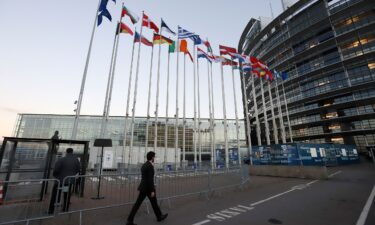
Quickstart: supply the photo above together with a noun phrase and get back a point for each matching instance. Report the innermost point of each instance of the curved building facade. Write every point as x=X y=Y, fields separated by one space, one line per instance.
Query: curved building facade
x=327 y=48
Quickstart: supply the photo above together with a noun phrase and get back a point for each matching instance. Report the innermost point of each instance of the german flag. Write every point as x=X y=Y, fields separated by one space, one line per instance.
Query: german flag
x=159 y=39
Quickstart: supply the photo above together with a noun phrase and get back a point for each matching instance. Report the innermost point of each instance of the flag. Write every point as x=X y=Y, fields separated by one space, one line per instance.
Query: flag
x=284 y=75
x=146 y=22
x=257 y=63
x=182 y=33
x=209 y=49
x=228 y=62
x=256 y=72
x=160 y=39
x=269 y=76
x=218 y=59
x=202 y=54
x=237 y=56
x=246 y=67
x=103 y=11
x=197 y=40
x=124 y=29
x=172 y=47
x=183 y=46
x=276 y=74
x=143 y=40
x=184 y=49
x=224 y=50
x=166 y=28
x=246 y=59
x=191 y=57
x=126 y=12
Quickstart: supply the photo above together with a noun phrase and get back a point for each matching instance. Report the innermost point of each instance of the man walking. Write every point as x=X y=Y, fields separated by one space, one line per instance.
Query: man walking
x=147 y=188
x=64 y=167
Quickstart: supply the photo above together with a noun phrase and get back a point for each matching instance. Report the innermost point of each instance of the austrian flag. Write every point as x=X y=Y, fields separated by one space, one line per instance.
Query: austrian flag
x=146 y=22
x=224 y=50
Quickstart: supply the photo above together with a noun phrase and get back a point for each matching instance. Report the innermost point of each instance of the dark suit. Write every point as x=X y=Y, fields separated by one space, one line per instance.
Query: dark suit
x=64 y=167
x=145 y=188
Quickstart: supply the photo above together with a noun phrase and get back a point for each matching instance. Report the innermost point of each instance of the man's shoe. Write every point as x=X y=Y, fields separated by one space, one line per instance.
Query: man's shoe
x=162 y=217
x=130 y=223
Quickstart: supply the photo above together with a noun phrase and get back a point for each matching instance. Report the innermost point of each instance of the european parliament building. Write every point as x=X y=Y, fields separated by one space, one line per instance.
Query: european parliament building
x=327 y=48
x=44 y=126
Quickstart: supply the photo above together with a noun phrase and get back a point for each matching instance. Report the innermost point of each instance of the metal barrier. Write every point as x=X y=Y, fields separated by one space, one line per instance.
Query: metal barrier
x=26 y=199
x=116 y=190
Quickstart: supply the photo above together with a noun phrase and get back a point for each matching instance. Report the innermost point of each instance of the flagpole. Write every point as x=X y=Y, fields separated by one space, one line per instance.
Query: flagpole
x=275 y=131
x=210 y=112
x=256 y=111
x=199 y=112
x=247 y=119
x=109 y=85
x=225 y=119
x=157 y=96
x=287 y=114
x=176 y=116
x=112 y=79
x=184 y=114
x=283 y=137
x=128 y=101
x=213 y=118
x=265 y=116
x=148 y=101
x=195 y=114
x=135 y=96
x=83 y=82
x=237 y=124
x=166 y=115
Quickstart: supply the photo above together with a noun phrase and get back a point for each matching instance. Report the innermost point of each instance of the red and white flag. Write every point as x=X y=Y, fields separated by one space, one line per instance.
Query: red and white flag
x=146 y=22
x=224 y=50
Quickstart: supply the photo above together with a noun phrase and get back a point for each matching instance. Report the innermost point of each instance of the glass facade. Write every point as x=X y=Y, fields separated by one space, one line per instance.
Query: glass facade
x=44 y=126
x=327 y=48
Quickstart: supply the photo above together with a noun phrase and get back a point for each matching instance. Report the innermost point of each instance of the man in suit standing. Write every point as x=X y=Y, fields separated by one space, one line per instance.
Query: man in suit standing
x=147 y=188
x=64 y=167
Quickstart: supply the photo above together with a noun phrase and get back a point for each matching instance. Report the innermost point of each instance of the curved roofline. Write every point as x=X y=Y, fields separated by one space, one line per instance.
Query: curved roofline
x=274 y=22
x=244 y=33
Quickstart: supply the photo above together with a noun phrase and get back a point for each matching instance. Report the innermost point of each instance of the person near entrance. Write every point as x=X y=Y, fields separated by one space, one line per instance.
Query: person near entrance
x=147 y=188
x=64 y=167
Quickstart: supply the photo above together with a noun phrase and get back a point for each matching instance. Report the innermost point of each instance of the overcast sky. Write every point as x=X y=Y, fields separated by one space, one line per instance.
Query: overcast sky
x=44 y=45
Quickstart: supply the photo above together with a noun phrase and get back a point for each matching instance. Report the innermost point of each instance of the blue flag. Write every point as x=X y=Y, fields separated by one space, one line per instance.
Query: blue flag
x=103 y=11
x=197 y=40
x=284 y=75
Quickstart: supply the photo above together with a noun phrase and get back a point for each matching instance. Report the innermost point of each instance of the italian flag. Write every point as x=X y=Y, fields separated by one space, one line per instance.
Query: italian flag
x=126 y=12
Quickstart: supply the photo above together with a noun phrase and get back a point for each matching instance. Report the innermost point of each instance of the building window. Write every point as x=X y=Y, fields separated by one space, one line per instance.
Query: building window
x=337 y=140
x=331 y=115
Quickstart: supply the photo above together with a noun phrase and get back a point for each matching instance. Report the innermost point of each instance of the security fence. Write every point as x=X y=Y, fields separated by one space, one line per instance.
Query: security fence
x=96 y=192
x=24 y=199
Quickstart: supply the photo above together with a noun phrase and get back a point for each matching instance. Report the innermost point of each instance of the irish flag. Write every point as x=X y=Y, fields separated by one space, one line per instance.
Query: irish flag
x=126 y=12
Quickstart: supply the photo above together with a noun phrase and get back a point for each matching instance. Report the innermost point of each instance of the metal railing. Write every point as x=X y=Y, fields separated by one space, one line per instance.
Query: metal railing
x=94 y=192
x=25 y=199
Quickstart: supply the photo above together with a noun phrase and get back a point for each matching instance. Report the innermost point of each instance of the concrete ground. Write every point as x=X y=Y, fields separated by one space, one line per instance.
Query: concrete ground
x=265 y=200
